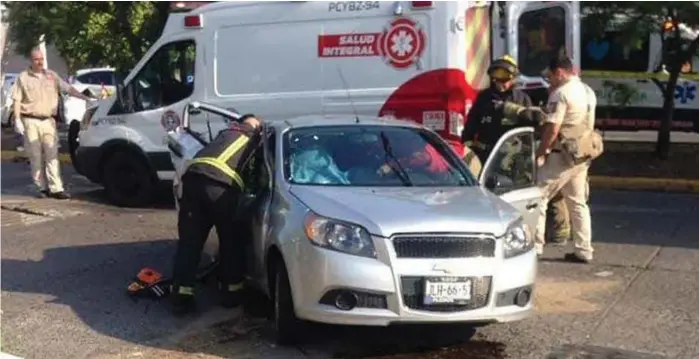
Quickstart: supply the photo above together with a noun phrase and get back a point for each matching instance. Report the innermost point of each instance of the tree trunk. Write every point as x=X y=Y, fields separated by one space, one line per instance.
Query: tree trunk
x=662 y=149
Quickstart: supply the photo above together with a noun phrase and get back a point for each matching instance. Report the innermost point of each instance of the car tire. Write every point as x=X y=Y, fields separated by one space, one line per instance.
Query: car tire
x=127 y=180
x=288 y=328
x=73 y=140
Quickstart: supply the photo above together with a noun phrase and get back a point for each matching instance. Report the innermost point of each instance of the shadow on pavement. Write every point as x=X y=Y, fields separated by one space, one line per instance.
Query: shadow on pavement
x=163 y=198
x=94 y=287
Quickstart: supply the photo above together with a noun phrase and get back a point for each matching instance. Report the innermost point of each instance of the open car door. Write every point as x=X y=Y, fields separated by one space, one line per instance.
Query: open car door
x=183 y=142
x=510 y=172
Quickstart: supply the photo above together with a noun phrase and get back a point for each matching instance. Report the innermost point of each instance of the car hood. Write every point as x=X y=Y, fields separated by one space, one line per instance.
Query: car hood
x=388 y=211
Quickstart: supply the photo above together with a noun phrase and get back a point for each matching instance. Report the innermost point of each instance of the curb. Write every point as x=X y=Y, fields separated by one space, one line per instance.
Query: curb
x=10 y=155
x=645 y=184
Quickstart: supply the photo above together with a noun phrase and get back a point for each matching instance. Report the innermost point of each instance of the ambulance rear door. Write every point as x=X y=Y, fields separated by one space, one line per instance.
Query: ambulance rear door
x=538 y=31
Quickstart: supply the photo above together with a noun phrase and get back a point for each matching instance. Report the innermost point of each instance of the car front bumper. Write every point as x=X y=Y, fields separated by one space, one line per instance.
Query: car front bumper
x=389 y=290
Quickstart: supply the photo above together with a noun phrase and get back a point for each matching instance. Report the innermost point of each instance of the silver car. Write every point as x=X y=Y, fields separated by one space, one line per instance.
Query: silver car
x=374 y=221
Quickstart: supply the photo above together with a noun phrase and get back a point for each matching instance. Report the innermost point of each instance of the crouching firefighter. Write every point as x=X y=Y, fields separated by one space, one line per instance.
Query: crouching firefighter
x=211 y=187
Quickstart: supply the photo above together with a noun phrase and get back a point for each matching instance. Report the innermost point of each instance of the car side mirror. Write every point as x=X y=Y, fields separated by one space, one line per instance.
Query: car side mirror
x=492 y=183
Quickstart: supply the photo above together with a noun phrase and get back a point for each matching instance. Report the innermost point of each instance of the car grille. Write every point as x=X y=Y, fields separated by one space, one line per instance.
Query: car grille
x=414 y=287
x=443 y=246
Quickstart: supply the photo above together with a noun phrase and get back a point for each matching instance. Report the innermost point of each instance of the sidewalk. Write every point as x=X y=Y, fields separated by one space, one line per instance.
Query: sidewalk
x=8 y=356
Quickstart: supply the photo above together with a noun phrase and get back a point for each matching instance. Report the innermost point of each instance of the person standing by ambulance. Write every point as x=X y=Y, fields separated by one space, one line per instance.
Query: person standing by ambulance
x=211 y=187
x=571 y=106
x=498 y=109
x=35 y=99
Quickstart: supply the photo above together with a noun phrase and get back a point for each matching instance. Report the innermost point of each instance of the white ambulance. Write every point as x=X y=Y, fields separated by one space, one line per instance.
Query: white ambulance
x=421 y=60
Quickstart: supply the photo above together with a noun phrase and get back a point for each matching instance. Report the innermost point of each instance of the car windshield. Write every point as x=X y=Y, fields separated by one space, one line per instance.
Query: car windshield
x=366 y=155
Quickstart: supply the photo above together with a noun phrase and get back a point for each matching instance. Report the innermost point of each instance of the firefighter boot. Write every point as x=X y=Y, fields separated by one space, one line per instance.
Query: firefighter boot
x=558 y=221
x=182 y=300
x=231 y=295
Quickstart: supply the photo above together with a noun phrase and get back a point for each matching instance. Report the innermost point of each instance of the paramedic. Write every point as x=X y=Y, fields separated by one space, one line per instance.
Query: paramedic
x=211 y=187
x=571 y=105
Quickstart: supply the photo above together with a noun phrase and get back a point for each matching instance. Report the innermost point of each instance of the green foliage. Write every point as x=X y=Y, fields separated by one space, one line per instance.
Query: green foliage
x=89 y=33
x=636 y=20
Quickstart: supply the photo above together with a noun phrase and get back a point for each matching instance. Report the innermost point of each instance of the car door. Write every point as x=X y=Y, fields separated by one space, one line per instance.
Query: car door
x=510 y=172
x=255 y=204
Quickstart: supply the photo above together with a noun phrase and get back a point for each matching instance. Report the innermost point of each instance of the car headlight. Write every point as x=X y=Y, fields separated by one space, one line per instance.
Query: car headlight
x=339 y=236
x=517 y=240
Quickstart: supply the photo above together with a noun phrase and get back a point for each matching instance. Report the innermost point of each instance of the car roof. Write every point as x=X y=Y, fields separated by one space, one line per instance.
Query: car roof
x=94 y=69
x=339 y=120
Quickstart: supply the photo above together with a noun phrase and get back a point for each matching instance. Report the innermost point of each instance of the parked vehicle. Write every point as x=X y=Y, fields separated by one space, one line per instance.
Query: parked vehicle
x=8 y=81
x=333 y=241
x=423 y=61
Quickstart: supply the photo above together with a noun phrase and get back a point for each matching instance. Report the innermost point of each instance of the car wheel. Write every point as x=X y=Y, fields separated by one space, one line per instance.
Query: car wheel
x=73 y=140
x=288 y=328
x=127 y=180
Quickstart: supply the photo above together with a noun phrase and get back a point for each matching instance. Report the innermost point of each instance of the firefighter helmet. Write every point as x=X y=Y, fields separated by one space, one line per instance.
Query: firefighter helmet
x=504 y=68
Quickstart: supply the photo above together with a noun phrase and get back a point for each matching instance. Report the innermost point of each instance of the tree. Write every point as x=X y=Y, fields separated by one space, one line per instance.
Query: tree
x=638 y=19
x=89 y=33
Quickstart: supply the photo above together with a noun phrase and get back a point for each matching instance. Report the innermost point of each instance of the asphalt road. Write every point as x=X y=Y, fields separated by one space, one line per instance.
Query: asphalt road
x=64 y=275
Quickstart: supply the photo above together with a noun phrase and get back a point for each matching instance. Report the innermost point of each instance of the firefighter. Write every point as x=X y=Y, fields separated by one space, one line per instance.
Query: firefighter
x=211 y=187
x=498 y=109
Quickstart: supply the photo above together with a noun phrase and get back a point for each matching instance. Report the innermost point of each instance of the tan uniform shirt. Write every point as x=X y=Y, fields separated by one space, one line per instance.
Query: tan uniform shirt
x=572 y=104
x=37 y=93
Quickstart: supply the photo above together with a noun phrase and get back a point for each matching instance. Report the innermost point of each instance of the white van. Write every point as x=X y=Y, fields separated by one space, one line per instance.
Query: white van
x=423 y=60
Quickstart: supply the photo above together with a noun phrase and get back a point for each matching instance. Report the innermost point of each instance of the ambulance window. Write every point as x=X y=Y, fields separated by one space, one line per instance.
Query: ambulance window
x=541 y=37
x=613 y=51
x=167 y=78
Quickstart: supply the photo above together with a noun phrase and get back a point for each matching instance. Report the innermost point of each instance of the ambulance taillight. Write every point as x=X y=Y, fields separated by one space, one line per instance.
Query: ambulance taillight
x=193 y=21
x=421 y=4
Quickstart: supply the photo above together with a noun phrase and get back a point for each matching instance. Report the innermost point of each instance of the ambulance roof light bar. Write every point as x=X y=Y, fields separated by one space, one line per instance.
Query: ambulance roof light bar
x=421 y=4
x=193 y=21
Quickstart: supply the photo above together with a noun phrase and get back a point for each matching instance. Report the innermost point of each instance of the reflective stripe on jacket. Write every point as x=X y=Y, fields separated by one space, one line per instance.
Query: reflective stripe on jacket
x=225 y=157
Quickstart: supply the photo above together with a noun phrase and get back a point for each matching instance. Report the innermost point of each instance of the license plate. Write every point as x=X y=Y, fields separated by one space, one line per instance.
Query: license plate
x=447 y=291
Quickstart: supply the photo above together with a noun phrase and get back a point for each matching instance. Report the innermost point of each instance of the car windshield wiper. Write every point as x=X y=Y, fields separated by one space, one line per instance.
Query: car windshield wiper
x=398 y=168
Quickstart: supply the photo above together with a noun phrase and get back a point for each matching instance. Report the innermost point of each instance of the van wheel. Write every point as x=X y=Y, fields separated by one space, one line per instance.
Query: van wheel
x=288 y=328
x=127 y=180
x=73 y=140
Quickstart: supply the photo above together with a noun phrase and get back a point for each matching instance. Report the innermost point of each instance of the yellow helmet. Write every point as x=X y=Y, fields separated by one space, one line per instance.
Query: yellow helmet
x=504 y=68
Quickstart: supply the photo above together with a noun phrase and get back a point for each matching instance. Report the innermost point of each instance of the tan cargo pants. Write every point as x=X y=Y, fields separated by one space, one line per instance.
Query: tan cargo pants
x=558 y=175
x=41 y=146
x=557 y=220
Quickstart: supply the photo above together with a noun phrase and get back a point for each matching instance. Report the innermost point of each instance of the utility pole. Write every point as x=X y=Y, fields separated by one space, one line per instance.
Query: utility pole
x=42 y=48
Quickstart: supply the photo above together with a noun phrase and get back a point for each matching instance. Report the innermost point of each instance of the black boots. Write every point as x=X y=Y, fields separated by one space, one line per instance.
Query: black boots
x=183 y=304
x=231 y=295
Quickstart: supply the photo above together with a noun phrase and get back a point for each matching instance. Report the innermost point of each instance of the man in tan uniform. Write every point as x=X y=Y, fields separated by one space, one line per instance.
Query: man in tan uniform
x=572 y=103
x=35 y=99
